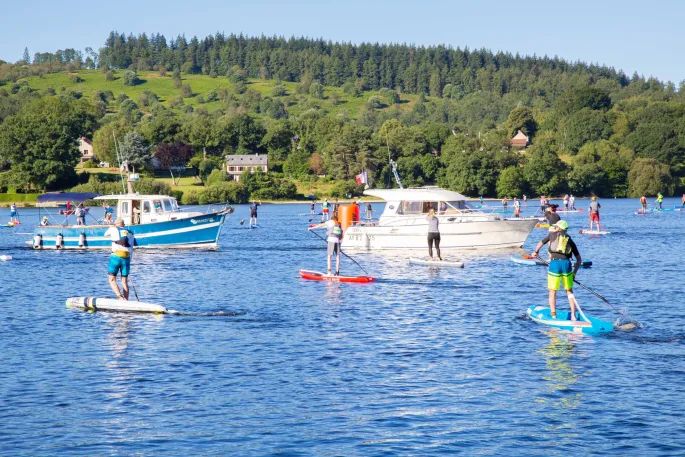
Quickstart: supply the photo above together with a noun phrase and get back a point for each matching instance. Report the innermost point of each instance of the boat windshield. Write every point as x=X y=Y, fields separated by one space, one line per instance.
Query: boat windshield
x=167 y=205
x=413 y=207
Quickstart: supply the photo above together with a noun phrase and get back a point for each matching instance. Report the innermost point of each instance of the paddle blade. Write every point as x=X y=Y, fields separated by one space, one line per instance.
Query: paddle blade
x=242 y=222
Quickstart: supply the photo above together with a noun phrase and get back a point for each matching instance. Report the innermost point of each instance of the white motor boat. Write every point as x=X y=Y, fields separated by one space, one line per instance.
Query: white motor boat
x=403 y=224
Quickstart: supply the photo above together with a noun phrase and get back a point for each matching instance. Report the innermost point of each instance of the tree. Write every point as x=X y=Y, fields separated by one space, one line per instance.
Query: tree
x=648 y=177
x=581 y=127
x=26 y=58
x=130 y=78
x=545 y=172
x=511 y=182
x=133 y=150
x=521 y=118
x=186 y=91
x=316 y=90
x=40 y=141
x=316 y=164
x=297 y=164
x=172 y=156
x=103 y=139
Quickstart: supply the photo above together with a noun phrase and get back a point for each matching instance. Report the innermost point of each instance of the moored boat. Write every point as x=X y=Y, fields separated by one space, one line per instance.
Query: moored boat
x=403 y=223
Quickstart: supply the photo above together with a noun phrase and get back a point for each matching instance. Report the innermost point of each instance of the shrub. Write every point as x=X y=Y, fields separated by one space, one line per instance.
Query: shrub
x=76 y=79
x=130 y=78
x=109 y=76
x=177 y=194
x=278 y=91
x=189 y=198
x=225 y=192
x=216 y=177
x=344 y=188
x=89 y=164
x=186 y=91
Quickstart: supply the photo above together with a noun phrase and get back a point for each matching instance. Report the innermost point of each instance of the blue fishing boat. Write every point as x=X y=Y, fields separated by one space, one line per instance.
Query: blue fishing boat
x=584 y=324
x=155 y=220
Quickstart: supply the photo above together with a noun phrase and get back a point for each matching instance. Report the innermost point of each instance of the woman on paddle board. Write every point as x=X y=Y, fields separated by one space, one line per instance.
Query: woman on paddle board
x=594 y=213
x=561 y=270
x=334 y=235
x=433 y=234
x=120 y=259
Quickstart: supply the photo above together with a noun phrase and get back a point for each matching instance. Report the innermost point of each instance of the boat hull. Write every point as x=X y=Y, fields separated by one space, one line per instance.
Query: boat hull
x=192 y=232
x=460 y=233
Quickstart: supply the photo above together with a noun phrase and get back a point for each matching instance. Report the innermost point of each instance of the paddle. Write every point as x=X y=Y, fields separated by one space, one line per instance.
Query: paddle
x=130 y=280
x=341 y=251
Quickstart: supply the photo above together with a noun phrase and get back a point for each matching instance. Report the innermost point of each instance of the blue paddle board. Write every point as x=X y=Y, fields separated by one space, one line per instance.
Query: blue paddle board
x=593 y=326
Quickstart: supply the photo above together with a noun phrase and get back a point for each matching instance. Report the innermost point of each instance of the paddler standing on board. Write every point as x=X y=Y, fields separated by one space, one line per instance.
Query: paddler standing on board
x=659 y=200
x=433 y=234
x=253 y=213
x=334 y=235
x=643 y=202
x=120 y=259
x=683 y=201
x=13 y=213
x=560 y=270
x=324 y=210
x=594 y=213
x=517 y=207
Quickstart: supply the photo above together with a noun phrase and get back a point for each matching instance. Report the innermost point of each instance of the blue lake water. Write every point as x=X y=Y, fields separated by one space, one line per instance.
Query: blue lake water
x=423 y=362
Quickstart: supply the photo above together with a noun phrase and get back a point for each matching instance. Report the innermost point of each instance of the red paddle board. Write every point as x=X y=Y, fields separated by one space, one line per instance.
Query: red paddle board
x=318 y=276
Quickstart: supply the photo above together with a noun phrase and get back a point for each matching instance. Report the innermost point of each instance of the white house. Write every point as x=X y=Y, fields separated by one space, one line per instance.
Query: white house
x=236 y=164
x=85 y=146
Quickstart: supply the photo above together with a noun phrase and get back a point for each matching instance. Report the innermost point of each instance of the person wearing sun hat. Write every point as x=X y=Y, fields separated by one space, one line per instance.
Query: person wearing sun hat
x=561 y=271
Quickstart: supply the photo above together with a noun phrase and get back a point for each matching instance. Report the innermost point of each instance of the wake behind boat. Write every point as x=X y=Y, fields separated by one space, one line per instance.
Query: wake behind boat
x=155 y=220
x=403 y=223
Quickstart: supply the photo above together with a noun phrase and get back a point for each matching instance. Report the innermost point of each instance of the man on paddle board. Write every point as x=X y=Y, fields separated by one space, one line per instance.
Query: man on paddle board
x=324 y=210
x=369 y=208
x=311 y=207
x=561 y=270
x=433 y=234
x=334 y=235
x=253 y=213
x=594 y=213
x=572 y=202
x=551 y=215
x=120 y=259
x=13 y=212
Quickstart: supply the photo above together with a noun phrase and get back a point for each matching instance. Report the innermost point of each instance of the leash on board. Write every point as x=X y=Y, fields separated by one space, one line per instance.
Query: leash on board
x=341 y=251
x=589 y=290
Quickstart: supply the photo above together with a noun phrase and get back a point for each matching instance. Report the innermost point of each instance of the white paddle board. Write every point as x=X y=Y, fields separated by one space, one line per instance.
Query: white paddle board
x=436 y=263
x=5 y=258
x=108 y=304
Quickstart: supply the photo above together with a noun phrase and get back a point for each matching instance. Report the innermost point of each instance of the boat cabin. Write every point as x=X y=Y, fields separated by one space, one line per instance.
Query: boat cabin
x=137 y=209
x=419 y=201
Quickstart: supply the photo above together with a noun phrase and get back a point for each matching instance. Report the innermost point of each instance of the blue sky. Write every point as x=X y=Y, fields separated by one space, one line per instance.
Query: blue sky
x=628 y=35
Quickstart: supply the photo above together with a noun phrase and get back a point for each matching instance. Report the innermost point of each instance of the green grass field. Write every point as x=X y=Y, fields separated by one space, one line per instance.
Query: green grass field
x=163 y=87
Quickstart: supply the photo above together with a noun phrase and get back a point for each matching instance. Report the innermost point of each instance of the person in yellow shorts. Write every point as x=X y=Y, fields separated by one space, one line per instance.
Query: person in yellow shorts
x=561 y=271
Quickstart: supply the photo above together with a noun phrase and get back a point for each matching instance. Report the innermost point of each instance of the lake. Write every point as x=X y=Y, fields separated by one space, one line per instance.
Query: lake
x=425 y=361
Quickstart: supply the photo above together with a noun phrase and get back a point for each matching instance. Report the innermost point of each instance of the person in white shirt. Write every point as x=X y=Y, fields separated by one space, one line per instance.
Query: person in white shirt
x=120 y=259
x=334 y=235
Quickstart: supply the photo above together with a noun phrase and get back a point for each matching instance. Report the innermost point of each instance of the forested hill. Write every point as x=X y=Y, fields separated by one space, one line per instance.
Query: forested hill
x=411 y=69
x=319 y=108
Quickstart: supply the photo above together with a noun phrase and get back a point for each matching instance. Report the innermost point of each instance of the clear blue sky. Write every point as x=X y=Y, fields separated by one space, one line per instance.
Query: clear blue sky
x=646 y=37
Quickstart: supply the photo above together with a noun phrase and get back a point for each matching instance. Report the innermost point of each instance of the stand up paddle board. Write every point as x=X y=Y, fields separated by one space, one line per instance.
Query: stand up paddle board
x=594 y=232
x=542 y=225
x=5 y=258
x=318 y=276
x=570 y=211
x=543 y=315
x=108 y=304
x=524 y=259
x=437 y=263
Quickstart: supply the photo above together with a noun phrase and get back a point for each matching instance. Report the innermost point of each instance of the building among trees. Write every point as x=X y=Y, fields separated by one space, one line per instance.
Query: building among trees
x=85 y=146
x=520 y=140
x=236 y=164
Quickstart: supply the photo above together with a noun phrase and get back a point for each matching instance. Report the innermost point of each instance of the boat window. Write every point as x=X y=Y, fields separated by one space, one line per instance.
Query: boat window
x=167 y=206
x=146 y=207
x=454 y=206
x=125 y=209
x=157 y=204
x=175 y=204
x=428 y=205
x=410 y=207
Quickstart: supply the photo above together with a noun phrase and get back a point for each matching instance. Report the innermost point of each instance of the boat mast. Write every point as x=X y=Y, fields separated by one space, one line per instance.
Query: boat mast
x=121 y=169
x=393 y=164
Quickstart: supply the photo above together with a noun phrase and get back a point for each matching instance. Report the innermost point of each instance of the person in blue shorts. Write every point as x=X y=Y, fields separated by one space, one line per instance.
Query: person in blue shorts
x=120 y=259
x=561 y=271
x=13 y=212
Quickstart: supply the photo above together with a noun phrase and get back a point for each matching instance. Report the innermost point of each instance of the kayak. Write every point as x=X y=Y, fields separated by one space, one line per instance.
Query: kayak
x=542 y=315
x=5 y=258
x=318 y=276
x=437 y=263
x=108 y=304
x=594 y=232
x=524 y=259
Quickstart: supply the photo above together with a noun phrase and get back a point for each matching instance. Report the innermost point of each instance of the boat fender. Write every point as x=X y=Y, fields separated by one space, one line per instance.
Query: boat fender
x=37 y=241
x=82 y=240
x=59 y=242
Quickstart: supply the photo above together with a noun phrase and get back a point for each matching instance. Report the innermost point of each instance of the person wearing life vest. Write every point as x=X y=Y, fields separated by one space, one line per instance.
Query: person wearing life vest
x=594 y=213
x=561 y=271
x=324 y=210
x=643 y=202
x=120 y=259
x=659 y=200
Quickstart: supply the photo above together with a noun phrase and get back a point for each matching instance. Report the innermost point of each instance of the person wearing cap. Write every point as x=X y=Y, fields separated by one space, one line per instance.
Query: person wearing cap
x=551 y=214
x=120 y=259
x=44 y=221
x=594 y=213
x=560 y=271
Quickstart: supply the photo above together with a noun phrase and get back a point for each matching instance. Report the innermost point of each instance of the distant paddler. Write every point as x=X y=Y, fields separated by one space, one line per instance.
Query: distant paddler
x=369 y=208
x=324 y=210
x=543 y=205
x=13 y=213
x=572 y=202
x=433 y=234
x=504 y=204
x=334 y=233
x=120 y=259
x=312 y=206
x=517 y=207
x=643 y=203
x=594 y=213
x=561 y=270
x=253 y=213
x=659 y=200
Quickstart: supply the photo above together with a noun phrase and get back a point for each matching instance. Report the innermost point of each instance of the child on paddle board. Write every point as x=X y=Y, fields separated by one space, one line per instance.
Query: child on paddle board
x=594 y=213
x=433 y=234
x=120 y=259
x=561 y=271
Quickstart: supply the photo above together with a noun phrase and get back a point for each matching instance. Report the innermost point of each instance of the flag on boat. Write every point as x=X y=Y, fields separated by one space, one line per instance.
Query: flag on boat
x=362 y=178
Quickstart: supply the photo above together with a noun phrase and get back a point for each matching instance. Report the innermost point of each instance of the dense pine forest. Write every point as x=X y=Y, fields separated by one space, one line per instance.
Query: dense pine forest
x=326 y=111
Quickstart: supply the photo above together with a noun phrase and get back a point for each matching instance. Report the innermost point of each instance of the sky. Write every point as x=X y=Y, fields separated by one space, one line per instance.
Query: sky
x=643 y=37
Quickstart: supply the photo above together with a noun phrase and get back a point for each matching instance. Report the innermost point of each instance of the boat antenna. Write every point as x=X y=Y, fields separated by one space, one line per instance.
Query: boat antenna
x=393 y=164
x=121 y=171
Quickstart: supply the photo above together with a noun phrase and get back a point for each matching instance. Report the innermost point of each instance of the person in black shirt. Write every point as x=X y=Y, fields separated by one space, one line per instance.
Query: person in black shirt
x=560 y=270
x=551 y=215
